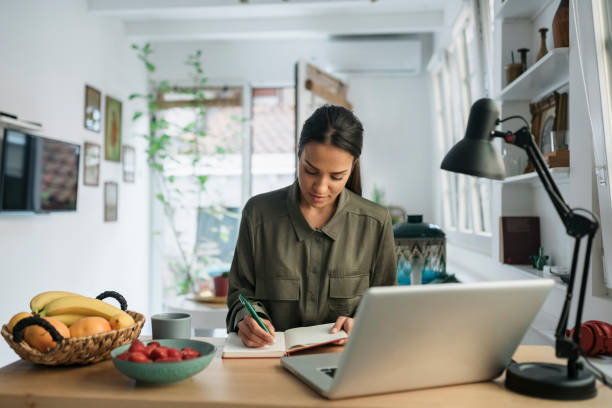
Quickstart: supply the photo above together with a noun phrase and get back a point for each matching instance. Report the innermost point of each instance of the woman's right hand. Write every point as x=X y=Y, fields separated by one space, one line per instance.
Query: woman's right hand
x=253 y=335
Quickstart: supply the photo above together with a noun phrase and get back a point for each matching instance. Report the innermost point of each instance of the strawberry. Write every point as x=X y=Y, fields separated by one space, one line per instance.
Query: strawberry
x=190 y=352
x=138 y=357
x=137 y=345
x=159 y=353
x=123 y=356
x=149 y=349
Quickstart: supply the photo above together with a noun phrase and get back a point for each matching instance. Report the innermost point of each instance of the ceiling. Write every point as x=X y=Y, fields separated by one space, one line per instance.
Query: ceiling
x=176 y=20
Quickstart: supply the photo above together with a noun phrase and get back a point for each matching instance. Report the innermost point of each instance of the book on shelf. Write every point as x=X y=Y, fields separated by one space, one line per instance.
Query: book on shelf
x=285 y=343
x=519 y=239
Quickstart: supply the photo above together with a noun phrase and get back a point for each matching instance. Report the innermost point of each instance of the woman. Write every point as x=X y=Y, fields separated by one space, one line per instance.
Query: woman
x=306 y=253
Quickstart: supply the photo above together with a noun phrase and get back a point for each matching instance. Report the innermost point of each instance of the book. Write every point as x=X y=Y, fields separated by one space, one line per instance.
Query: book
x=285 y=343
x=519 y=239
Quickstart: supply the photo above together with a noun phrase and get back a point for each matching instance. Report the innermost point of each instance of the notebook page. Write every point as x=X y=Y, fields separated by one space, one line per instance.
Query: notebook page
x=234 y=347
x=303 y=336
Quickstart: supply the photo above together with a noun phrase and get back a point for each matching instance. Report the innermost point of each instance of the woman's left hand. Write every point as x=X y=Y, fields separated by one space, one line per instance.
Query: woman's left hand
x=342 y=323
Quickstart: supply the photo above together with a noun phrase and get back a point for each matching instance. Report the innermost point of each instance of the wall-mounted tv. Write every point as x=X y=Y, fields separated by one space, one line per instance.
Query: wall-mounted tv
x=37 y=174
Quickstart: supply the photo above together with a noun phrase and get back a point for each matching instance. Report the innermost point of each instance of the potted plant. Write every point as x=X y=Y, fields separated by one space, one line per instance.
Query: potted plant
x=172 y=146
x=221 y=284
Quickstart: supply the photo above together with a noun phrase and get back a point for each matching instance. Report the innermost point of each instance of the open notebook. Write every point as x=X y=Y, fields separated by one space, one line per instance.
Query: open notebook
x=285 y=343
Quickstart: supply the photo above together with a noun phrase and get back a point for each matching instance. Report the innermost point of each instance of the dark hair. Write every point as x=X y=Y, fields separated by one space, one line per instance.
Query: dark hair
x=338 y=127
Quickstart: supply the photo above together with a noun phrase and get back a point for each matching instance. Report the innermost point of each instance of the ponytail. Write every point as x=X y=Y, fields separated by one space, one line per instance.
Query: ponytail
x=354 y=181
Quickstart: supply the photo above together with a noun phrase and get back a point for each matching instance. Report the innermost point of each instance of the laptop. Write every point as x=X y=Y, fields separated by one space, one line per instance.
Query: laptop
x=410 y=337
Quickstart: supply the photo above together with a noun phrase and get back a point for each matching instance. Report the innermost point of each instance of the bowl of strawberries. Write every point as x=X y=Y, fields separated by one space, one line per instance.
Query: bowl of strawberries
x=163 y=361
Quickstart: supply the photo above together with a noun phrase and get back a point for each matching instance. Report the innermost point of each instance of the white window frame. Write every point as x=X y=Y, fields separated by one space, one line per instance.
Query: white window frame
x=591 y=41
x=450 y=69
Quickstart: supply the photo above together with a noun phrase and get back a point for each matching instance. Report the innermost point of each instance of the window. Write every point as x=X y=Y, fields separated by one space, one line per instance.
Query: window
x=273 y=130
x=594 y=38
x=204 y=225
x=457 y=79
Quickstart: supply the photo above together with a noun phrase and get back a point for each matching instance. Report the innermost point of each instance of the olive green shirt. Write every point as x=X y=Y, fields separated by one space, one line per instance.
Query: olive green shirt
x=295 y=275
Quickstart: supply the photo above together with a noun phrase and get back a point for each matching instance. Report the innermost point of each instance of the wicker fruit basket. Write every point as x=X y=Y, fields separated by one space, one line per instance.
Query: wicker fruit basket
x=75 y=350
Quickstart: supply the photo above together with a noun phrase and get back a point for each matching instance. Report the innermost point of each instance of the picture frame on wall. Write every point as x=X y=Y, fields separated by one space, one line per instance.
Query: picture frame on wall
x=91 y=164
x=93 y=109
x=128 y=156
x=111 y=193
x=112 y=129
x=549 y=128
x=543 y=115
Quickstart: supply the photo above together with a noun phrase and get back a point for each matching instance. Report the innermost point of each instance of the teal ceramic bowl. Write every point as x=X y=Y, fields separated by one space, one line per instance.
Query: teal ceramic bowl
x=166 y=373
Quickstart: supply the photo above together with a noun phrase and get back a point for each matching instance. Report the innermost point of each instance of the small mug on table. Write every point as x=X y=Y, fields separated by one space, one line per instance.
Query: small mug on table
x=171 y=326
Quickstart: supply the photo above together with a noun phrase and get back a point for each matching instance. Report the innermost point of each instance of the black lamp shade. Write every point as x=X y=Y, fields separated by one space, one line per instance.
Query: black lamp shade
x=475 y=154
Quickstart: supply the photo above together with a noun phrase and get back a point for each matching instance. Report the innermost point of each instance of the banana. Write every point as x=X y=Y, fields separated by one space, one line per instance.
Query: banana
x=81 y=305
x=41 y=300
x=68 y=319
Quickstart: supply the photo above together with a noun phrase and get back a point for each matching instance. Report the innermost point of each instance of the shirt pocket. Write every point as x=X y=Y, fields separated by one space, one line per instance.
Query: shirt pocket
x=278 y=289
x=345 y=293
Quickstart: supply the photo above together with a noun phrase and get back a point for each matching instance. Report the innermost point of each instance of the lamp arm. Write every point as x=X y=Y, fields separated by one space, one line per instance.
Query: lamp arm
x=524 y=139
x=576 y=226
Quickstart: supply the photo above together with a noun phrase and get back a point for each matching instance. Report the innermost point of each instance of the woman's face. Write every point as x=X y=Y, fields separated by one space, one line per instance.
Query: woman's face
x=323 y=171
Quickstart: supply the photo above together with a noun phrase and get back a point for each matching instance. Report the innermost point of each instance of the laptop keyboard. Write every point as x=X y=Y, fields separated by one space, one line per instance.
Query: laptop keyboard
x=329 y=371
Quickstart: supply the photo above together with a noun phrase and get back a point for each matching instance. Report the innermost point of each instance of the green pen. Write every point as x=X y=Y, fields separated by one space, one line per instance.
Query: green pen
x=246 y=303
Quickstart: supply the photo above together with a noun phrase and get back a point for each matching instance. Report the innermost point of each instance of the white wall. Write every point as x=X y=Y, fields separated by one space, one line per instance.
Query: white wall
x=394 y=108
x=50 y=50
x=398 y=143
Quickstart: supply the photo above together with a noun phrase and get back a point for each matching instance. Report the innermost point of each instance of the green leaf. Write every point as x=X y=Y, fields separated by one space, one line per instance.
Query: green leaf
x=150 y=66
x=220 y=150
x=137 y=115
x=161 y=198
x=164 y=85
x=202 y=179
x=133 y=96
x=171 y=179
x=134 y=46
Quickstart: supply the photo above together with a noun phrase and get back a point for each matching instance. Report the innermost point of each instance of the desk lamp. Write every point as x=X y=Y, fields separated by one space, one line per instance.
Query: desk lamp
x=475 y=155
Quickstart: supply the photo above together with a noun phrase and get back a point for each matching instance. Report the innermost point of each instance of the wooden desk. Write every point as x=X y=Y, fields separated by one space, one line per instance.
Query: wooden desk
x=243 y=383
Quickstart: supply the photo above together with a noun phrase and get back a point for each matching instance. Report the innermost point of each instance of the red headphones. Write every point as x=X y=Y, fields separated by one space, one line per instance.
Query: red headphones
x=595 y=337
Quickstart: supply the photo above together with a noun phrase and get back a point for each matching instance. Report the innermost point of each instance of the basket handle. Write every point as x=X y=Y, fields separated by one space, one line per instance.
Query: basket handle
x=35 y=321
x=116 y=295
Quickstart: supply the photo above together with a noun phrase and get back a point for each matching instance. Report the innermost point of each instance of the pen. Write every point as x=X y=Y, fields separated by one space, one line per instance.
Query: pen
x=246 y=303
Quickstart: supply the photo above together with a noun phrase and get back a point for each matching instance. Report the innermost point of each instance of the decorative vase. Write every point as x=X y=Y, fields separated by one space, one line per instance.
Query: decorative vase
x=560 y=25
x=513 y=71
x=543 y=50
x=523 y=52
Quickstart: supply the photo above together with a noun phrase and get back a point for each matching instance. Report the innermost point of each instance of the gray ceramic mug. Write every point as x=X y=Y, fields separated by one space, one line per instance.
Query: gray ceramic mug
x=171 y=326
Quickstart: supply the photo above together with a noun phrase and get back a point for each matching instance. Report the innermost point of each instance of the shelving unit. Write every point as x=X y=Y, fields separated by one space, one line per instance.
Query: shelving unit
x=516 y=26
x=560 y=175
x=529 y=272
x=520 y=8
x=546 y=75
